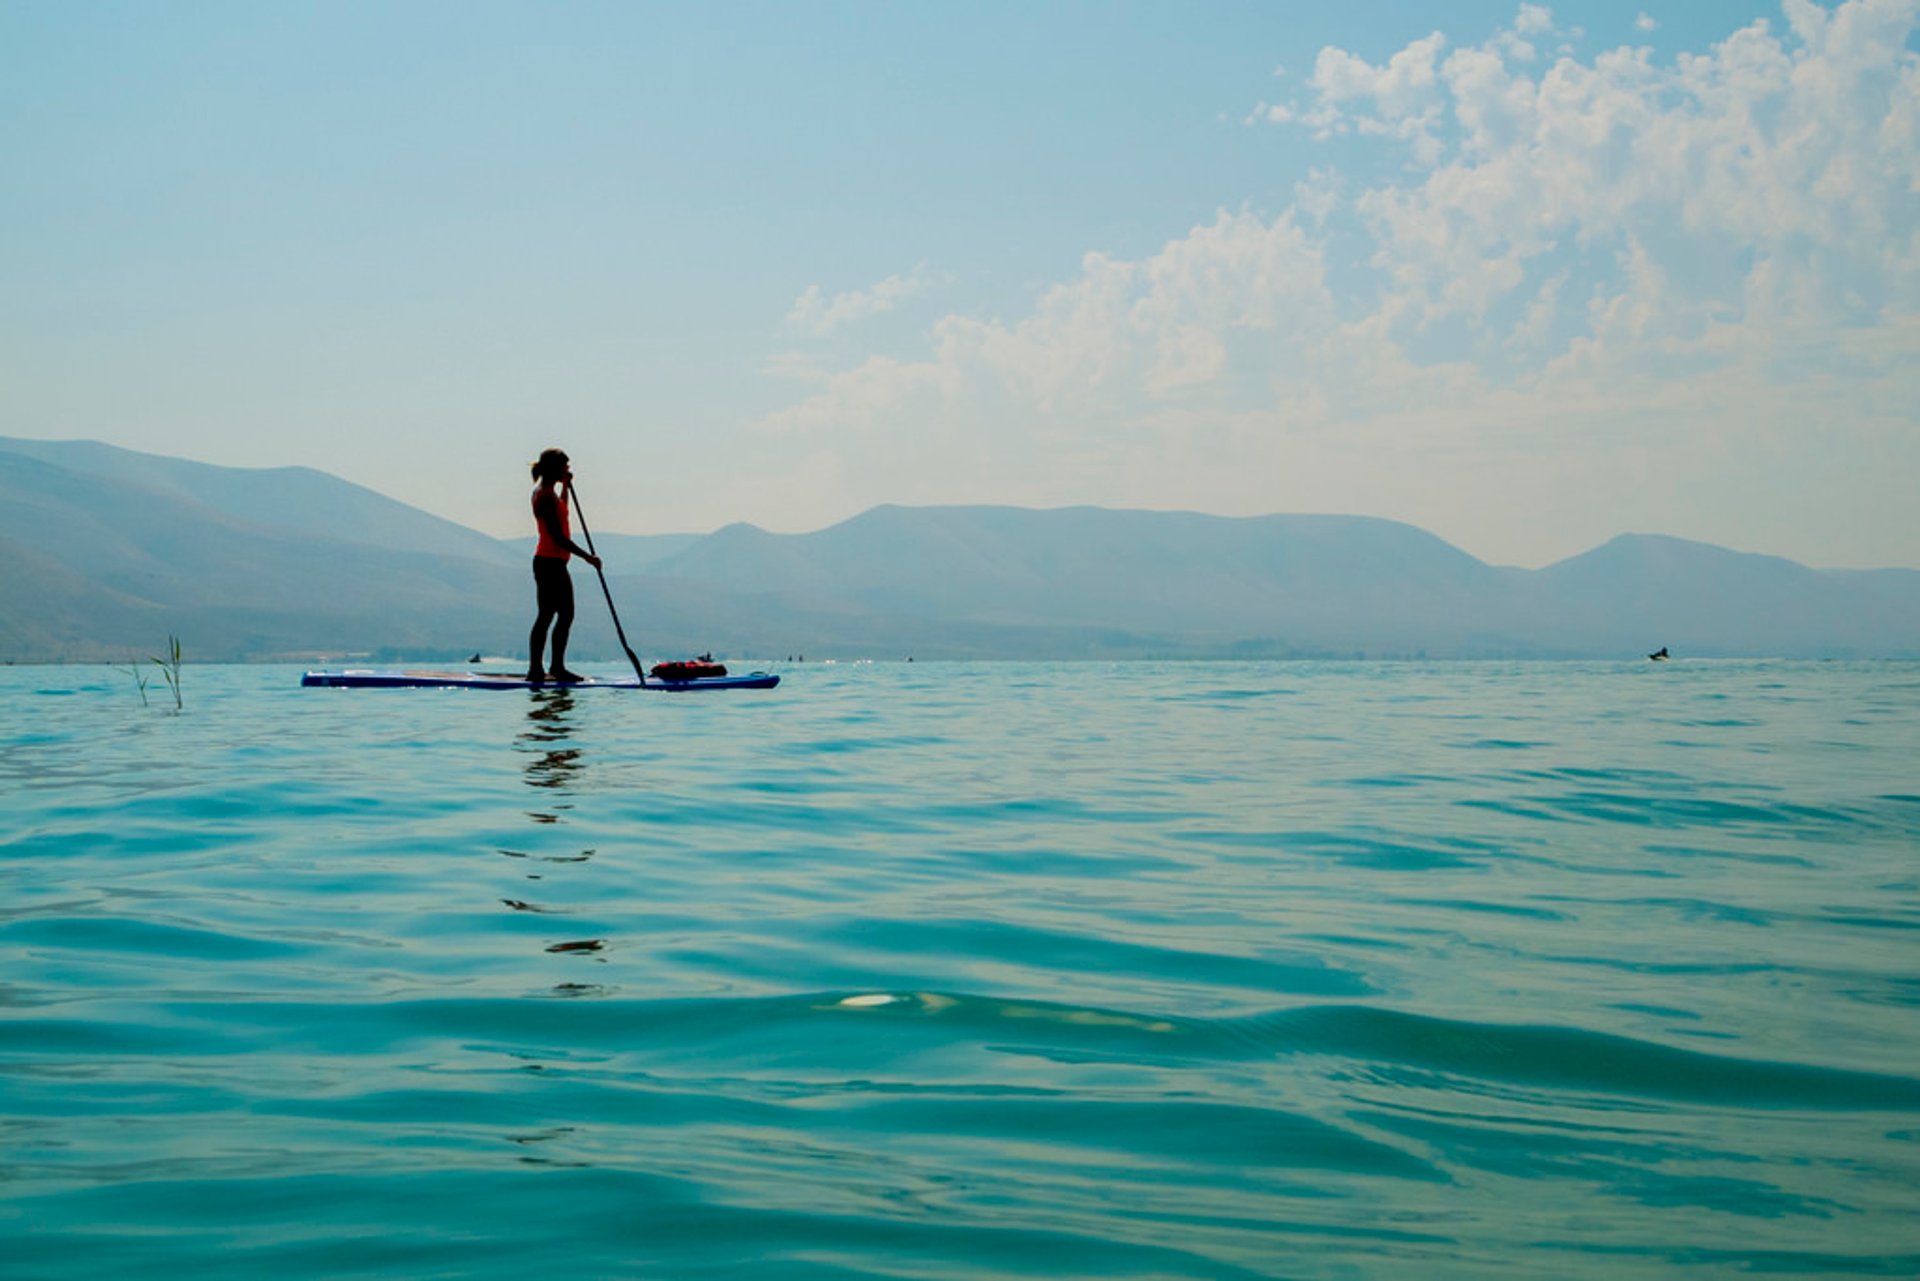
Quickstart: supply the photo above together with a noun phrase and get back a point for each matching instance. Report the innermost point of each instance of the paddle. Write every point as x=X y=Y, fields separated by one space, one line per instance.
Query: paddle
x=619 y=631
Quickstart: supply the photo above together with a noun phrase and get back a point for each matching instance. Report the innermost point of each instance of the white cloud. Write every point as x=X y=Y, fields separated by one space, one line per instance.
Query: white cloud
x=1801 y=159
x=1399 y=100
x=816 y=312
x=1317 y=195
x=1723 y=244
x=796 y=366
x=1535 y=329
x=1645 y=22
x=1533 y=20
x=1118 y=333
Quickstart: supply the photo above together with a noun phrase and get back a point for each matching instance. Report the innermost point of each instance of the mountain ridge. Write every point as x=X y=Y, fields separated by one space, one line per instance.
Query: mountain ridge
x=109 y=549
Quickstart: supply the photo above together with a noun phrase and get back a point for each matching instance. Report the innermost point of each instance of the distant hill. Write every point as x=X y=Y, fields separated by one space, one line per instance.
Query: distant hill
x=109 y=550
x=117 y=564
x=1279 y=584
x=294 y=500
x=1701 y=599
x=634 y=553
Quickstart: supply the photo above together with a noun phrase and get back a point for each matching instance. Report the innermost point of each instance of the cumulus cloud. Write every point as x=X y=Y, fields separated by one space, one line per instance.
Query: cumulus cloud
x=1774 y=173
x=1607 y=230
x=819 y=313
x=1400 y=99
x=1120 y=331
x=1533 y=20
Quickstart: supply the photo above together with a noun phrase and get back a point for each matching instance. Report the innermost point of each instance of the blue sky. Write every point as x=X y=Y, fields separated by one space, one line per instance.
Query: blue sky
x=1525 y=275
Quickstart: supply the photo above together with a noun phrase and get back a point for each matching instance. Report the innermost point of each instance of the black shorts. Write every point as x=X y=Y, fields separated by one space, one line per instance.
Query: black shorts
x=553 y=586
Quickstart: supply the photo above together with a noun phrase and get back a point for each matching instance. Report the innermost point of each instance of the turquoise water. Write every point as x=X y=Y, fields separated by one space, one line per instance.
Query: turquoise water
x=947 y=970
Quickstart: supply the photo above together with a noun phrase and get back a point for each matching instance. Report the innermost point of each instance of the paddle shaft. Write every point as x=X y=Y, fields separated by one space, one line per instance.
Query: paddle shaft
x=618 y=630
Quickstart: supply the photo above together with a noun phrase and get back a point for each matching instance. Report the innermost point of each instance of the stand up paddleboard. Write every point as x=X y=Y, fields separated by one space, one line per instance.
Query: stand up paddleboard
x=389 y=678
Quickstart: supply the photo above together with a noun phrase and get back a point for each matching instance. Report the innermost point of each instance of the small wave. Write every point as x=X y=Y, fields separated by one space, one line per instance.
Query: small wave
x=1573 y=1058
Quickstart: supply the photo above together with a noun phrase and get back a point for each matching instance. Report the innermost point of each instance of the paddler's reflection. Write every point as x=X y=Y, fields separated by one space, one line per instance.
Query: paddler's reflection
x=554 y=766
x=551 y=764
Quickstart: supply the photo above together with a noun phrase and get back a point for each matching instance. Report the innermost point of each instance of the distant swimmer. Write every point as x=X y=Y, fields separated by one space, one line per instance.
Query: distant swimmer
x=1659 y=655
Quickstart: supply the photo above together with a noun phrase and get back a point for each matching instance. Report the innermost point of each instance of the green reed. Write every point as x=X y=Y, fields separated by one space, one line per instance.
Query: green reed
x=169 y=668
x=140 y=679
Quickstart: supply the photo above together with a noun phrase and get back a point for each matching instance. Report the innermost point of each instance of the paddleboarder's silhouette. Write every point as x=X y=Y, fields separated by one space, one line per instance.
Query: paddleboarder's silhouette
x=553 y=584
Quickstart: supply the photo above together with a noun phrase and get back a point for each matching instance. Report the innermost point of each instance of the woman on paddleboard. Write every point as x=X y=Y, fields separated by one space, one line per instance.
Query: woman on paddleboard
x=553 y=585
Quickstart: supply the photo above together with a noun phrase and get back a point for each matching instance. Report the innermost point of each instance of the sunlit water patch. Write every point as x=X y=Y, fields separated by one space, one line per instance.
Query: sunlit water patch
x=944 y=970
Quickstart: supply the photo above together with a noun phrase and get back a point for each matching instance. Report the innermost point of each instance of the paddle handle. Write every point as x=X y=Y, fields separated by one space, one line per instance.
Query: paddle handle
x=574 y=499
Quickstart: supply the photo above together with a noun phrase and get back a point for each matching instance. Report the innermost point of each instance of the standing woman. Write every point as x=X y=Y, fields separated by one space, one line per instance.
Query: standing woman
x=553 y=585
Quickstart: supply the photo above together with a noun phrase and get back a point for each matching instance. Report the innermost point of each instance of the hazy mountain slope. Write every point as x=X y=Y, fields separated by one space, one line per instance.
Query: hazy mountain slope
x=107 y=557
x=47 y=609
x=100 y=567
x=1654 y=590
x=1898 y=589
x=155 y=558
x=293 y=499
x=624 y=553
x=1180 y=573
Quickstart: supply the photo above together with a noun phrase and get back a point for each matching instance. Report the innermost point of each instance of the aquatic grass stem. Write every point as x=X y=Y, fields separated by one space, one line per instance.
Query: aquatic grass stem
x=170 y=668
x=140 y=679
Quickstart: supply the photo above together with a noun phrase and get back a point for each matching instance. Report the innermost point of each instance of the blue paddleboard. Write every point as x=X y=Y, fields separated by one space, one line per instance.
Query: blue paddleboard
x=411 y=678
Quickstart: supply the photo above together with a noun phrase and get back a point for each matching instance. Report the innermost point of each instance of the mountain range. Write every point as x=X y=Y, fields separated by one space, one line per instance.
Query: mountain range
x=110 y=551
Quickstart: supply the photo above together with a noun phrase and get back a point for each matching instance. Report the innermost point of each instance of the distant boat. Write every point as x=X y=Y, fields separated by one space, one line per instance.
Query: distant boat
x=1660 y=655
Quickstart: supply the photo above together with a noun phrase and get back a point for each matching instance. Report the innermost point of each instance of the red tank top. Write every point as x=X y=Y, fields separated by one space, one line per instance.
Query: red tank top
x=548 y=547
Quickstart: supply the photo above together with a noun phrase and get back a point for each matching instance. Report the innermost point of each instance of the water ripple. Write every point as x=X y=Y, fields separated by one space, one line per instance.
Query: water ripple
x=1184 y=970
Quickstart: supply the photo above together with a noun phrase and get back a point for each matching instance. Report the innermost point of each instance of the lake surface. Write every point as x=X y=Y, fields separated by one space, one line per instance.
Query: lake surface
x=949 y=970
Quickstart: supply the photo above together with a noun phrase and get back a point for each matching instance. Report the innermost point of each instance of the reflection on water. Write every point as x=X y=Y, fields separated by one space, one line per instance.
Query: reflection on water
x=579 y=857
x=555 y=766
x=552 y=763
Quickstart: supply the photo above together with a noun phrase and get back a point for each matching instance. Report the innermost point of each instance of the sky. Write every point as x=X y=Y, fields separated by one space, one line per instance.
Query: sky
x=1526 y=276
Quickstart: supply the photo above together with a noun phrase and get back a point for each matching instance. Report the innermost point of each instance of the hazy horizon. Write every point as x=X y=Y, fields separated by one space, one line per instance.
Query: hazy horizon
x=527 y=536
x=1525 y=276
